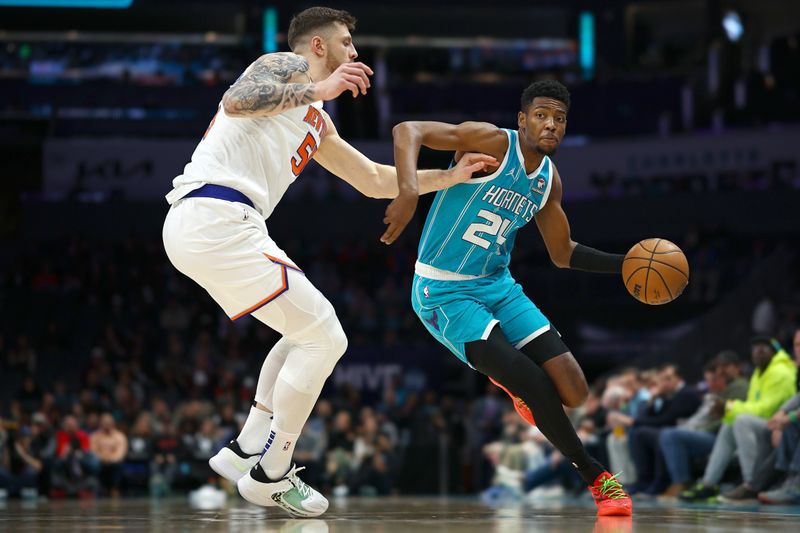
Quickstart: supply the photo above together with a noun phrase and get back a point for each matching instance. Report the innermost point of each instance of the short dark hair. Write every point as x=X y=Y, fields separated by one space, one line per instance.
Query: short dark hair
x=670 y=366
x=548 y=88
x=766 y=339
x=711 y=365
x=313 y=19
x=727 y=357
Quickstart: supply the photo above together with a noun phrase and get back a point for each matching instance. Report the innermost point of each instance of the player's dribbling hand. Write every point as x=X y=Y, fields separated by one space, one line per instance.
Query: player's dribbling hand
x=398 y=215
x=353 y=77
x=469 y=164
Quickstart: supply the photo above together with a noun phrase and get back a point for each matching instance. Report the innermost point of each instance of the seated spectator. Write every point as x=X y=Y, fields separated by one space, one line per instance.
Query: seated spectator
x=110 y=446
x=75 y=466
x=340 y=453
x=509 y=458
x=136 y=472
x=167 y=451
x=29 y=464
x=775 y=477
x=5 y=462
x=744 y=426
x=199 y=447
x=622 y=399
x=43 y=447
x=693 y=439
x=376 y=473
x=785 y=427
x=674 y=400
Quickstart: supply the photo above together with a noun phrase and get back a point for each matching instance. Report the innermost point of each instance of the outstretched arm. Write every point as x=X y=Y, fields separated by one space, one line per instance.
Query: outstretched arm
x=277 y=82
x=409 y=137
x=374 y=180
x=563 y=251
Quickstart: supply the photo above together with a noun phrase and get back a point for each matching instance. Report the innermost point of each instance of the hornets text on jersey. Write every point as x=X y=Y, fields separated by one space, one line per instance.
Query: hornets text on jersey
x=471 y=227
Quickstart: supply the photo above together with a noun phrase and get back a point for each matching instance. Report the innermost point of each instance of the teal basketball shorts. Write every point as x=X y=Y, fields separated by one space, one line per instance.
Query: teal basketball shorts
x=458 y=312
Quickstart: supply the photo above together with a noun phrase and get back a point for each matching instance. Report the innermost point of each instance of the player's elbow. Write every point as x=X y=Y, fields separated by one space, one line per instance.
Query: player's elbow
x=560 y=260
x=403 y=132
x=561 y=254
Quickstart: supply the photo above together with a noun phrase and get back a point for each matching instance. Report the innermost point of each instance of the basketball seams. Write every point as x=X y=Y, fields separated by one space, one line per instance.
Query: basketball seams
x=649 y=268
x=666 y=285
x=650 y=261
x=643 y=247
x=671 y=266
x=633 y=274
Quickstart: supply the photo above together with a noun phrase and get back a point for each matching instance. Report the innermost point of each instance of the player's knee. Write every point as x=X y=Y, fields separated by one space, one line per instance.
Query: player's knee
x=338 y=339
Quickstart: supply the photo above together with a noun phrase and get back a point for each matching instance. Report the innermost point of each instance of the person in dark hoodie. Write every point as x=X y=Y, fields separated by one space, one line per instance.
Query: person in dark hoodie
x=673 y=401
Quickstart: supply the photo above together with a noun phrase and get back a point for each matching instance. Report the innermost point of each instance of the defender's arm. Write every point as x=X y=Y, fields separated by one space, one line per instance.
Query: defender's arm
x=375 y=180
x=280 y=81
x=409 y=137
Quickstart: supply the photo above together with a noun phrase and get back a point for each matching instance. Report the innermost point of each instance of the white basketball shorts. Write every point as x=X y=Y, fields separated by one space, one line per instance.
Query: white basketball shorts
x=224 y=246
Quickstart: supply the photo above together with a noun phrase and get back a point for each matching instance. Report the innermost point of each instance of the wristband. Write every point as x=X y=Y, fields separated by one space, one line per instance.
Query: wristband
x=591 y=260
x=793 y=417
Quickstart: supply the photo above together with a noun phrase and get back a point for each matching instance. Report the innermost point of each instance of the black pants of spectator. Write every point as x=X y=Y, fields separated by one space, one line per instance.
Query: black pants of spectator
x=651 y=469
x=111 y=476
x=369 y=478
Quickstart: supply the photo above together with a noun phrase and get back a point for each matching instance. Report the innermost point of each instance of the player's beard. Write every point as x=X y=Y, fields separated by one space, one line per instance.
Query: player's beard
x=332 y=63
x=543 y=151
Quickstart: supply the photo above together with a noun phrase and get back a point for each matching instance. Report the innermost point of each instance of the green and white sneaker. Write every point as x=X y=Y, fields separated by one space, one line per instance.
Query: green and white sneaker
x=289 y=493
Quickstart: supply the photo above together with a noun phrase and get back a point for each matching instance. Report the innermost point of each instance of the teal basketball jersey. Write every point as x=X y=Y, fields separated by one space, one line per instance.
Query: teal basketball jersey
x=471 y=226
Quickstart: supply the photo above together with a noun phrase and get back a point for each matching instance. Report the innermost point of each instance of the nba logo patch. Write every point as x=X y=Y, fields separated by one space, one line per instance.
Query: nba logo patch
x=540 y=183
x=286 y=446
x=426 y=292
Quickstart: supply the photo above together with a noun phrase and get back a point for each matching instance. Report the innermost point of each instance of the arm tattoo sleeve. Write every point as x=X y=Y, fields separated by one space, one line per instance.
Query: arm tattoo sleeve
x=265 y=90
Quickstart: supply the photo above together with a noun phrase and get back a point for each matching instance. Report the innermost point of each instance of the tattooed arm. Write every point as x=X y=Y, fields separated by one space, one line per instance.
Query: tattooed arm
x=269 y=87
x=281 y=81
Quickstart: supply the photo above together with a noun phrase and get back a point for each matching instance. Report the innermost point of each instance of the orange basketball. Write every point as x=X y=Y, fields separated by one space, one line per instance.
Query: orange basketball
x=655 y=271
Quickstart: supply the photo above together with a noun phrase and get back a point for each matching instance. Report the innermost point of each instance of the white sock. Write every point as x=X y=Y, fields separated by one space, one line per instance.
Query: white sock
x=255 y=431
x=278 y=457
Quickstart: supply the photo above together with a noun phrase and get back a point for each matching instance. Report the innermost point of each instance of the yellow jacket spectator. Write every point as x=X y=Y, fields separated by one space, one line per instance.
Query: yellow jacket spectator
x=773 y=382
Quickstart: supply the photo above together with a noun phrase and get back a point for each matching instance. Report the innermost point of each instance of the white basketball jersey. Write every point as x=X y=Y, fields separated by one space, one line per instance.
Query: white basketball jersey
x=259 y=157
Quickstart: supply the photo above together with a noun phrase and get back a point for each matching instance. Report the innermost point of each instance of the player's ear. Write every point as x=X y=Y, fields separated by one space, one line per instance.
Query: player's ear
x=318 y=46
x=521 y=116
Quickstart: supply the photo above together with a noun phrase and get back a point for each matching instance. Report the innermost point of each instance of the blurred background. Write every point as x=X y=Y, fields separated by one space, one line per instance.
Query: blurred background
x=685 y=124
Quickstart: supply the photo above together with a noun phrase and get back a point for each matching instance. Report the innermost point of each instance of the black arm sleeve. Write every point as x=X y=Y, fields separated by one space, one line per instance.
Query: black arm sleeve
x=591 y=260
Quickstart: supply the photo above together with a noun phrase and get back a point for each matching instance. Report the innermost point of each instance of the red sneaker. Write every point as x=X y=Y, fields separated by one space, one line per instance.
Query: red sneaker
x=519 y=404
x=609 y=496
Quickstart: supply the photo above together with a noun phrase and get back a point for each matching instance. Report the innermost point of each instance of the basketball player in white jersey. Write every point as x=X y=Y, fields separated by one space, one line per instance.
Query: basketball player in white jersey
x=270 y=123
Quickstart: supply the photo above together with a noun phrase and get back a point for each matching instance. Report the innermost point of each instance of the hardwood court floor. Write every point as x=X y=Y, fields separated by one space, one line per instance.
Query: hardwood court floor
x=388 y=515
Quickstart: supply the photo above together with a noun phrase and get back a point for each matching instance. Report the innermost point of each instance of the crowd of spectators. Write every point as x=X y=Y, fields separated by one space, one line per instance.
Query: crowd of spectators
x=728 y=438
x=118 y=376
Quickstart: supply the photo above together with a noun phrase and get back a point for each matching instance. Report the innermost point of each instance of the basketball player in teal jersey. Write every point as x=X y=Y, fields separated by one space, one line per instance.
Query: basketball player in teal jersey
x=463 y=291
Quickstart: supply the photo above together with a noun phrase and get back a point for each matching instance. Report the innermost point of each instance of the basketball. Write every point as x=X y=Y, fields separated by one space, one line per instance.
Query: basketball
x=655 y=271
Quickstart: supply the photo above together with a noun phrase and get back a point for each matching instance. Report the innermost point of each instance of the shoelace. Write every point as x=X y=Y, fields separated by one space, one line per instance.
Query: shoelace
x=298 y=483
x=611 y=488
